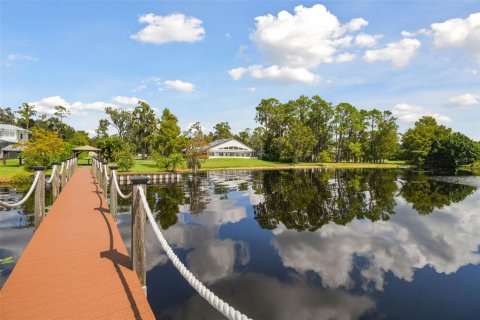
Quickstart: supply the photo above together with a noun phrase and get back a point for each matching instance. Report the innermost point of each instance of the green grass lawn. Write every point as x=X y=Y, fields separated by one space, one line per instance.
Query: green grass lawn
x=222 y=163
x=13 y=168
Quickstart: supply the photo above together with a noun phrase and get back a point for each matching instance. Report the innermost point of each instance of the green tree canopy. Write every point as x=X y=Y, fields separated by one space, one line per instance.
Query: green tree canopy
x=452 y=151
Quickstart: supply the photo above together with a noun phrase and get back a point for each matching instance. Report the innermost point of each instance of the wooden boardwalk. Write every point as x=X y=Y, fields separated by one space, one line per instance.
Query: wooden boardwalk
x=76 y=266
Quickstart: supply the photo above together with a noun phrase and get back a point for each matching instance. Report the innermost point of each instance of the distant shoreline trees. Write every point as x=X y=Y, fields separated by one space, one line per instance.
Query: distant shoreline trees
x=308 y=129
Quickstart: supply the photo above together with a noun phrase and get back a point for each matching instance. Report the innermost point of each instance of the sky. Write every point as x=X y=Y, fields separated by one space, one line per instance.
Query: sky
x=213 y=61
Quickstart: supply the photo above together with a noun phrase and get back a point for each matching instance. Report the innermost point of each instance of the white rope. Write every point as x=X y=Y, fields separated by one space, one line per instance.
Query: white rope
x=114 y=178
x=106 y=175
x=53 y=174
x=61 y=170
x=223 y=307
x=19 y=203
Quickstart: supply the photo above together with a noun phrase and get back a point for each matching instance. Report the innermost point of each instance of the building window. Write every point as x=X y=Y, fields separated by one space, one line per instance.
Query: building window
x=21 y=136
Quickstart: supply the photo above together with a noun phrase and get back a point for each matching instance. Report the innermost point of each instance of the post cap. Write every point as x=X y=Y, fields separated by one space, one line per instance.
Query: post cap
x=113 y=167
x=39 y=168
x=55 y=163
x=139 y=179
x=104 y=162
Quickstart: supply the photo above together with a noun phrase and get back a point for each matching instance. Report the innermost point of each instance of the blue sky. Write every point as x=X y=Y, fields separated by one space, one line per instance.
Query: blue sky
x=215 y=61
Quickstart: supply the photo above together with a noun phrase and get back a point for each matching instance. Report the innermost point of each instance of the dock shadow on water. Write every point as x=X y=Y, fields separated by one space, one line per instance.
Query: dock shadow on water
x=314 y=244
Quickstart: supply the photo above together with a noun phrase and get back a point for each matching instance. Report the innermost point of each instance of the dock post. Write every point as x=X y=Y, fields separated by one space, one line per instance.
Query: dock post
x=113 y=192
x=138 y=231
x=64 y=174
x=39 y=196
x=104 y=179
x=55 y=182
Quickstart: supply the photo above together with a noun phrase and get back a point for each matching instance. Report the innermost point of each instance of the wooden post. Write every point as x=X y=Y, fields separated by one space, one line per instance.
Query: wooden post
x=113 y=192
x=104 y=179
x=55 y=182
x=138 y=231
x=64 y=174
x=39 y=196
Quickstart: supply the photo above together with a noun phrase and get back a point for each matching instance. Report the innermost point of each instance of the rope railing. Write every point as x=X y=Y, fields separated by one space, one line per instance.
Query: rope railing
x=29 y=193
x=221 y=306
x=62 y=168
x=119 y=192
x=52 y=175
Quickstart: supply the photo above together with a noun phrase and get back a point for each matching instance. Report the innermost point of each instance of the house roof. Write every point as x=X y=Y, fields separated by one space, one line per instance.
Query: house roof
x=222 y=141
x=85 y=148
x=4 y=126
x=14 y=148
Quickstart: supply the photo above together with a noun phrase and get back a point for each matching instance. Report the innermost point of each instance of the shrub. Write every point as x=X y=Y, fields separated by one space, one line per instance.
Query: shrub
x=22 y=180
x=43 y=148
x=125 y=158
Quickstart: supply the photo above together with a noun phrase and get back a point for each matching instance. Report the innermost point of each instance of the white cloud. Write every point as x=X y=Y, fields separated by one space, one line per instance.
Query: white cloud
x=304 y=39
x=179 y=85
x=401 y=245
x=48 y=104
x=345 y=57
x=367 y=40
x=241 y=53
x=129 y=101
x=172 y=28
x=466 y=99
x=407 y=113
x=459 y=33
x=357 y=24
x=408 y=34
x=276 y=73
x=13 y=58
x=398 y=53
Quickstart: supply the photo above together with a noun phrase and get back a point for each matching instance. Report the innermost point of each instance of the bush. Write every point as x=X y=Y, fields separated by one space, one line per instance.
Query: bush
x=125 y=159
x=170 y=163
x=324 y=156
x=43 y=148
x=22 y=180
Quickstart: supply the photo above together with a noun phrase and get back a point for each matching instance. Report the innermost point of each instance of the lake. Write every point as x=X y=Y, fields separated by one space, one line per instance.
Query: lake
x=307 y=244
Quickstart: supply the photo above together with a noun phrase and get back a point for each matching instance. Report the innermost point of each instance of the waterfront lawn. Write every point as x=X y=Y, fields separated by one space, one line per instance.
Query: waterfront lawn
x=12 y=168
x=223 y=163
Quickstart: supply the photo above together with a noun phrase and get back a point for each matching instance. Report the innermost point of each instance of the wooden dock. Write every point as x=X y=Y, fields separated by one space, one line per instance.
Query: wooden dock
x=76 y=265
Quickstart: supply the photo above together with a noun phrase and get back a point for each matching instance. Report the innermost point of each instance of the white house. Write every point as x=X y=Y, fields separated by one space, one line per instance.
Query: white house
x=9 y=136
x=230 y=148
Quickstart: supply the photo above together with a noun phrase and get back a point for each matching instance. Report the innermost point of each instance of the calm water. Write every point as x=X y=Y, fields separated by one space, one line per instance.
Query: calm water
x=310 y=244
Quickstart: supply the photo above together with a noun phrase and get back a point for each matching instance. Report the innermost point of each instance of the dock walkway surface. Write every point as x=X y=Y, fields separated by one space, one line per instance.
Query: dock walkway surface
x=76 y=265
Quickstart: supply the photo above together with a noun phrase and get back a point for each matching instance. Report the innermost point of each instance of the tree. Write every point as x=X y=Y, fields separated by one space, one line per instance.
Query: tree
x=244 y=136
x=121 y=120
x=79 y=138
x=298 y=144
x=43 y=148
x=169 y=140
x=454 y=150
x=7 y=116
x=319 y=119
x=196 y=150
x=144 y=125
x=222 y=131
x=417 y=141
x=102 y=130
x=61 y=112
x=26 y=112
x=110 y=146
x=125 y=158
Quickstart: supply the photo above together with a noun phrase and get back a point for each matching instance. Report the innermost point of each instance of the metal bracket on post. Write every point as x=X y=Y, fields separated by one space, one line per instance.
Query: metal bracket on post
x=39 y=210
x=138 y=231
